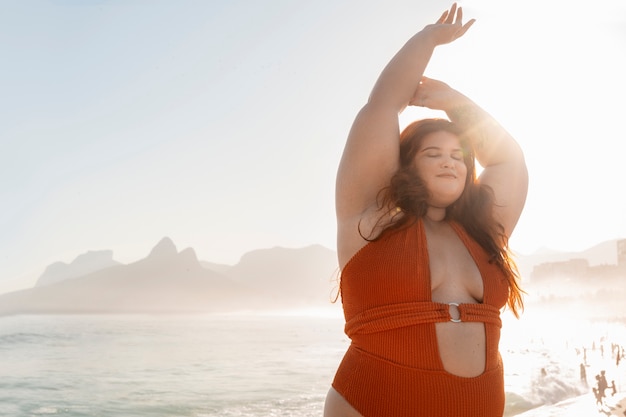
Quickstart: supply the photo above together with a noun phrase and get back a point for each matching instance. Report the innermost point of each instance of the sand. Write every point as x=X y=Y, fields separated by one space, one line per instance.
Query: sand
x=582 y=406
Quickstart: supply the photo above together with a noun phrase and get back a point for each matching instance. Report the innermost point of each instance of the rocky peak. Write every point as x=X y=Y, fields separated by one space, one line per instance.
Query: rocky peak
x=165 y=249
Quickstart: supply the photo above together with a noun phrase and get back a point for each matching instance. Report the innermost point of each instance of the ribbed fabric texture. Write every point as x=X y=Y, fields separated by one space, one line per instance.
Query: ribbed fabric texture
x=393 y=367
x=394 y=316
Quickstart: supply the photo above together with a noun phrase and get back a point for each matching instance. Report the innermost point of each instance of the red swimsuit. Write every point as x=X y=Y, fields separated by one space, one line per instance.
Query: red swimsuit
x=393 y=367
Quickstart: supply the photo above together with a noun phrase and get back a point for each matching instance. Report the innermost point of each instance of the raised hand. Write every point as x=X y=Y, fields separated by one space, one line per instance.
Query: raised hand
x=437 y=95
x=449 y=27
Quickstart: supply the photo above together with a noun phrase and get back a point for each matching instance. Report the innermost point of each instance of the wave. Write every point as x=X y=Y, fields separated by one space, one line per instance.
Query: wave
x=551 y=361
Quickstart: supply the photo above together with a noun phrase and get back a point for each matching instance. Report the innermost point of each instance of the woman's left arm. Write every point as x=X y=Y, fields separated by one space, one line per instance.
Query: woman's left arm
x=496 y=150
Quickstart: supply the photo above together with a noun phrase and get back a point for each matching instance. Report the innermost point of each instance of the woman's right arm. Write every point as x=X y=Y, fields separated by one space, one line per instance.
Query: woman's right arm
x=370 y=156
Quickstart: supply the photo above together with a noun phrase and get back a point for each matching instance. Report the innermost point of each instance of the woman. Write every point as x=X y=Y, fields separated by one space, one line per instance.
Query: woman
x=422 y=245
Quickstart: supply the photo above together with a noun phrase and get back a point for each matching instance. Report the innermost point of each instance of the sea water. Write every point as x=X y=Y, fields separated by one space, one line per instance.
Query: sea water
x=238 y=364
x=215 y=365
x=550 y=357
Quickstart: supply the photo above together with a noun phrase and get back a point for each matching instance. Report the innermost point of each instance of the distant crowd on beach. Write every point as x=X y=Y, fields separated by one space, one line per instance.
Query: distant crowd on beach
x=599 y=391
x=601 y=384
x=617 y=352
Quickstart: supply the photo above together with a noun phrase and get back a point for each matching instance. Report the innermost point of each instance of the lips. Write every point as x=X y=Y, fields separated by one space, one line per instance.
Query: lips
x=447 y=175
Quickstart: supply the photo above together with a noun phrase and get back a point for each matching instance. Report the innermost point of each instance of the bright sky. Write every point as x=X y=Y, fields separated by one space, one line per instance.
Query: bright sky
x=221 y=124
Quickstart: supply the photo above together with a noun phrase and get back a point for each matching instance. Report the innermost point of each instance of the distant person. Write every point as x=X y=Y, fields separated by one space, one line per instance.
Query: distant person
x=583 y=373
x=602 y=383
x=597 y=395
x=613 y=388
x=423 y=246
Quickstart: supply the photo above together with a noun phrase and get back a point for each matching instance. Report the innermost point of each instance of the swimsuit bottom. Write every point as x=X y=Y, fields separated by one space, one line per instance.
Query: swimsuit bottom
x=377 y=387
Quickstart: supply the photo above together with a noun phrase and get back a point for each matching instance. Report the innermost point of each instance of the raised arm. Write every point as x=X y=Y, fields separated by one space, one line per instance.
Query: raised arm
x=370 y=156
x=496 y=150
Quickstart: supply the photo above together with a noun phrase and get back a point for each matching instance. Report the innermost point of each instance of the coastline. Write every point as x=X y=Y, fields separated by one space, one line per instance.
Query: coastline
x=554 y=388
x=583 y=405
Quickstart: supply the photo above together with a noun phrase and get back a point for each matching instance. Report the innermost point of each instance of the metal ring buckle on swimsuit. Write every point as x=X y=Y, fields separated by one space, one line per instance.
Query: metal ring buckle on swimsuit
x=453 y=320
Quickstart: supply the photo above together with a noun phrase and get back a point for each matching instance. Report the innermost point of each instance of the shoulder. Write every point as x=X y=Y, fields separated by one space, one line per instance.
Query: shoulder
x=353 y=233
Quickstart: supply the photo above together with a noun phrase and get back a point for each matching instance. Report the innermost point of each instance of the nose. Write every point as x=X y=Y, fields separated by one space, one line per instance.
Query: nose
x=447 y=162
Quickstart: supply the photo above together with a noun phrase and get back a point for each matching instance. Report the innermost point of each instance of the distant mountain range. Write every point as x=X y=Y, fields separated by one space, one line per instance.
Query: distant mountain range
x=84 y=264
x=604 y=253
x=169 y=281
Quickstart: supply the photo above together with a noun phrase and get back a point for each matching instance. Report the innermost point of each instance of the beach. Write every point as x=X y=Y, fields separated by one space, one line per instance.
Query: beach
x=583 y=406
x=554 y=360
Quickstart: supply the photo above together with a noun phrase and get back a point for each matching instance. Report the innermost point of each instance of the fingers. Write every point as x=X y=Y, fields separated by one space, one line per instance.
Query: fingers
x=443 y=17
x=464 y=29
x=454 y=16
x=450 y=18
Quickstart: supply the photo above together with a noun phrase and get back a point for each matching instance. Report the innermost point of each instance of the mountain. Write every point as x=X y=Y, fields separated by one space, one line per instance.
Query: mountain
x=589 y=283
x=168 y=281
x=84 y=264
x=215 y=267
x=310 y=273
x=604 y=253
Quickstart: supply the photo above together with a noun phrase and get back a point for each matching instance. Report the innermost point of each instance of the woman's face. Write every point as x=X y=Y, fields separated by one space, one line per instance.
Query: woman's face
x=439 y=163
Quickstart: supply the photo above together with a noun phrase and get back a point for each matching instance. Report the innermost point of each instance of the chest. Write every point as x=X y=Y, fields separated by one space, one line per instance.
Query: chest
x=454 y=275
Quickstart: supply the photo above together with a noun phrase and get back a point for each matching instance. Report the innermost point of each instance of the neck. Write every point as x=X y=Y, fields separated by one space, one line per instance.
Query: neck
x=435 y=214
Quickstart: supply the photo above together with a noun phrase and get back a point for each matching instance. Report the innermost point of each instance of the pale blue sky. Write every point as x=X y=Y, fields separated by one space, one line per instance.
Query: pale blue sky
x=221 y=124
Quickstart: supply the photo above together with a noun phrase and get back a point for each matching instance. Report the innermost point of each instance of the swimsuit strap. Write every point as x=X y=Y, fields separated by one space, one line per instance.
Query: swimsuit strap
x=394 y=316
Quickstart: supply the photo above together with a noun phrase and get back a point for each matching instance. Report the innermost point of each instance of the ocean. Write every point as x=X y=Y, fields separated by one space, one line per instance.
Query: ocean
x=272 y=364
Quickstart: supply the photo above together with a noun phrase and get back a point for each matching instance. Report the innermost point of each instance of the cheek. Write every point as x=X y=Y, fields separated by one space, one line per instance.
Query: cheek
x=462 y=169
x=422 y=169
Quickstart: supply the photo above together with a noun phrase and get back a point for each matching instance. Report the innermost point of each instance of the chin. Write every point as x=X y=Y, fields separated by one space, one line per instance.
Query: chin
x=444 y=202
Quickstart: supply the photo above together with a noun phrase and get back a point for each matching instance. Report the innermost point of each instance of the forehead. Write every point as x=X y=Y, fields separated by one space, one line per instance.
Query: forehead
x=441 y=139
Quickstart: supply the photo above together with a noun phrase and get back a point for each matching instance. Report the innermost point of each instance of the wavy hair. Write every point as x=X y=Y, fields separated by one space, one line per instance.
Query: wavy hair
x=407 y=193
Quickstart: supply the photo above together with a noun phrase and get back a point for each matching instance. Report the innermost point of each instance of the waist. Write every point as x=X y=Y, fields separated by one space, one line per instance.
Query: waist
x=376 y=386
x=394 y=316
